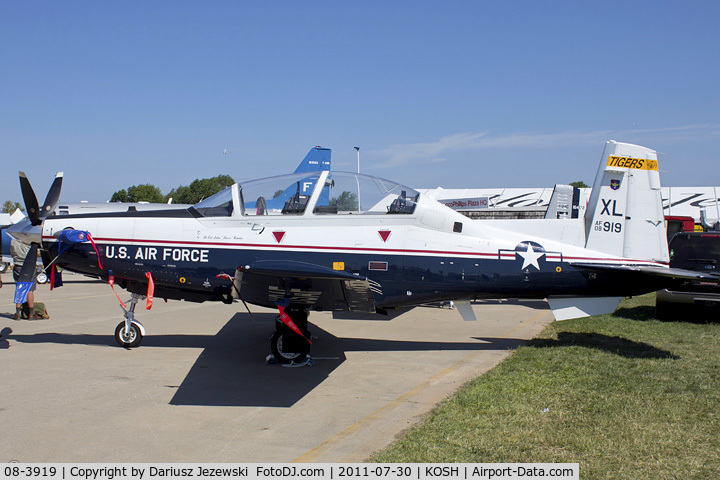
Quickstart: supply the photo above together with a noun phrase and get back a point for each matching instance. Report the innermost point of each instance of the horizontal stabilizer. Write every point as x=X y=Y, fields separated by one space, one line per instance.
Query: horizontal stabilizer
x=566 y=308
x=676 y=273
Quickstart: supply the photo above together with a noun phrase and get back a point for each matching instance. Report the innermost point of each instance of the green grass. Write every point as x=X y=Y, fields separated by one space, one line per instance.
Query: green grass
x=624 y=395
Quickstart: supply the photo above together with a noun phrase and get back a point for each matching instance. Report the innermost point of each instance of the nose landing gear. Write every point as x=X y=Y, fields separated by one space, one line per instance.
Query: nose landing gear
x=129 y=333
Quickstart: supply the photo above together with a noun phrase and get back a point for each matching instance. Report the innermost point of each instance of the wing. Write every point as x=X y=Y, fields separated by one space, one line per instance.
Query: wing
x=321 y=288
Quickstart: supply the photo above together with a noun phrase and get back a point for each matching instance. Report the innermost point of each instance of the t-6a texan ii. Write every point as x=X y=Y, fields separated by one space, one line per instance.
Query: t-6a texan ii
x=349 y=242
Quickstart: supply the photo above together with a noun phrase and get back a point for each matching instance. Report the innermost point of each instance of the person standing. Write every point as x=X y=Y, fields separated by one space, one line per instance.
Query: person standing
x=19 y=251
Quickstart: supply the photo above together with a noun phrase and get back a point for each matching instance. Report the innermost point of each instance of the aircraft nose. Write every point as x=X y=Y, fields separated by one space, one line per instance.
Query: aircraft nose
x=26 y=232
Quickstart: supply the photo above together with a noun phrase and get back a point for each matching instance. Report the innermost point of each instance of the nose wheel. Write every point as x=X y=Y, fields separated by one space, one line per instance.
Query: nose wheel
x=129 y=333
x=130 y=338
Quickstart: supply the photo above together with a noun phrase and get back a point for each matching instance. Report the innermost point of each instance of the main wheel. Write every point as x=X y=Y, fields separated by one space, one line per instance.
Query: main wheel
x=130 y=340
x=276 y=345
x=3 y=267
x=42 y=278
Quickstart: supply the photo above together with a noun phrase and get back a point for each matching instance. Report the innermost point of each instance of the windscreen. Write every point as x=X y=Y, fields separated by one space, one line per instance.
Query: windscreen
x=219 y=205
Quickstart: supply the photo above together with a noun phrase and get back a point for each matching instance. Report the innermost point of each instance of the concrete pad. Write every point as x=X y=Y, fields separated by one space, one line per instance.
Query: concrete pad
x=198 y=388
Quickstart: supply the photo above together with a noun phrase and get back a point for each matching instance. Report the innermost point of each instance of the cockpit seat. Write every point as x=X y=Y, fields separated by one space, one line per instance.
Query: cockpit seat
x=261 y=206
x=402 y=204
x=295 y=204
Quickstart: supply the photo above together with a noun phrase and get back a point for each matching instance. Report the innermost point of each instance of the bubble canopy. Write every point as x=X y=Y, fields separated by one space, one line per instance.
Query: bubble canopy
x=322 y=193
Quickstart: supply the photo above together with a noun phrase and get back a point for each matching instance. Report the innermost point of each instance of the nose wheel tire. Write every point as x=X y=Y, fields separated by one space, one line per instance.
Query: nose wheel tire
x=130 y=339
x=276 y=345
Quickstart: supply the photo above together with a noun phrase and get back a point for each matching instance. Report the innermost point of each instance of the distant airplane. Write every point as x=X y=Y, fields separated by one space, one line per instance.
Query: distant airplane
x=370 y=245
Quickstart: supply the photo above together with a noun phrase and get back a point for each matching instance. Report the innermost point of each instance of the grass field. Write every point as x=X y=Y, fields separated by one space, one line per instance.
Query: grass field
x=624 y=395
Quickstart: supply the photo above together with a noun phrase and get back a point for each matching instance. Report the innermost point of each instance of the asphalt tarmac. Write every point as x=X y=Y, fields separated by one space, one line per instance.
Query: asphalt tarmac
x=198 y=389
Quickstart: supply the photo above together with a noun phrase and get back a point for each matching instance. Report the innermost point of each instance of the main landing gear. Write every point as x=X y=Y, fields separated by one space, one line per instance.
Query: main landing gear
x=286 y=345
x=129 y=333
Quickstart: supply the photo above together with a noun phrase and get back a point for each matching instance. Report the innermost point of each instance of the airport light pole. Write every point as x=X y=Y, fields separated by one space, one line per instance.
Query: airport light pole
x=357 y=149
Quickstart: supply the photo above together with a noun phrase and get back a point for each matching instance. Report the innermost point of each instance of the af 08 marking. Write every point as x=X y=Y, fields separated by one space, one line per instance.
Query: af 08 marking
x=613 y=227
x=193 y=255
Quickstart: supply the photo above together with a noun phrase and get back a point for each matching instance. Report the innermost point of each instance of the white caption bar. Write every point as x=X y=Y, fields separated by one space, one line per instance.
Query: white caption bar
x=272 y=471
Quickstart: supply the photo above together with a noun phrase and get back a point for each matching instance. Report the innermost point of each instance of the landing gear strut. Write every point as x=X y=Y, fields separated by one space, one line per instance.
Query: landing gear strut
x=287 y=345
x=129 y=333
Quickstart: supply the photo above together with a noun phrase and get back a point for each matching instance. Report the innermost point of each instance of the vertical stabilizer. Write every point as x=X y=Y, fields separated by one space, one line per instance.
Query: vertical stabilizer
x=564 y=202
x=624 y=216
x=317 y=159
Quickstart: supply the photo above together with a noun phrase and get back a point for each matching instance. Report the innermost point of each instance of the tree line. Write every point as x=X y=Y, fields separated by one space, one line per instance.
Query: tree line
x=198 y=189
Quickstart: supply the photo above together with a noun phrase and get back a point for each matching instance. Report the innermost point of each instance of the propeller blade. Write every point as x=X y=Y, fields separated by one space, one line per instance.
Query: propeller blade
x=52 y=198
x=28 y=272
x=31 y=203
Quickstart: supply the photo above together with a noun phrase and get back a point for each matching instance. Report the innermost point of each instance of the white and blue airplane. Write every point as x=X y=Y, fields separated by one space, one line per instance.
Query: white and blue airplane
x=351 y=242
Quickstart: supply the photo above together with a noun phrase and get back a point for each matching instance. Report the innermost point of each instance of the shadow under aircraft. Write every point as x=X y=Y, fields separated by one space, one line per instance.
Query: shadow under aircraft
x=231 y=370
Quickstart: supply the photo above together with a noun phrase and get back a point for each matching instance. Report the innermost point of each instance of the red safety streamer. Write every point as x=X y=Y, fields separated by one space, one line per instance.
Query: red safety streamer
x=288 y=321
x=96 y=250
x=52 y=277
x=150 y=291
x=111 y=281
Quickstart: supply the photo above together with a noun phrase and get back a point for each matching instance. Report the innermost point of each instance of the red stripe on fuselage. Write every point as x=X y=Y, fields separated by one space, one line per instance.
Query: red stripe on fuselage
x=51 y=238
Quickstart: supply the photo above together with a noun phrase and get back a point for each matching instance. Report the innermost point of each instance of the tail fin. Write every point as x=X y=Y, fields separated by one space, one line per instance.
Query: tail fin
x=624 y=216
x=564 y=202
x=317 y=159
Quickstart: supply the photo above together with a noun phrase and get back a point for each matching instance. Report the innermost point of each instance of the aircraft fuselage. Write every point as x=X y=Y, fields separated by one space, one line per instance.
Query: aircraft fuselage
x=411 y=262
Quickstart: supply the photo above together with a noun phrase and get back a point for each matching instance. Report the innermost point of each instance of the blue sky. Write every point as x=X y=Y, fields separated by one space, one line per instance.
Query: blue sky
x=452 y=94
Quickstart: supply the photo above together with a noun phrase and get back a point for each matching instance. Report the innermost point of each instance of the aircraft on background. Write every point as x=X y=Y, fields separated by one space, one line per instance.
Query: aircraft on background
x=359 y=243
